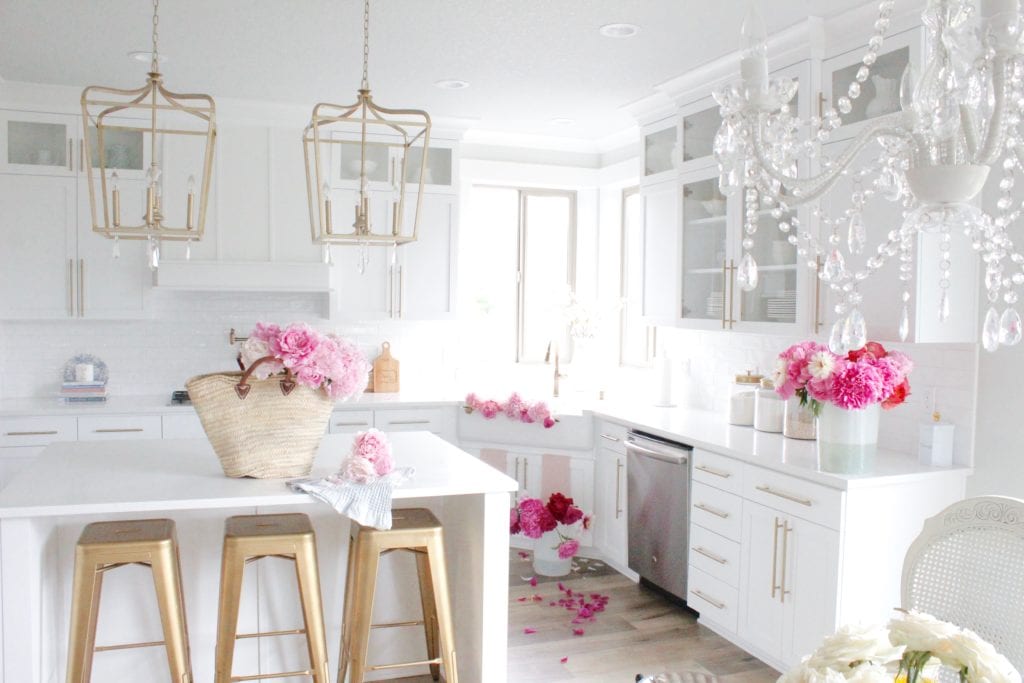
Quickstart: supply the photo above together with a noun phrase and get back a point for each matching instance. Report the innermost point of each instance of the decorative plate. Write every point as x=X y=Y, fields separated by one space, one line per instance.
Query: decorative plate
x=100 y=372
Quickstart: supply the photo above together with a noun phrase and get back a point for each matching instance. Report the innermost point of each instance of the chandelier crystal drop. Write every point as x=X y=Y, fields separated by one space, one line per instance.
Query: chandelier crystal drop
x=959 y=122
x=361 y=159
x=148 y=158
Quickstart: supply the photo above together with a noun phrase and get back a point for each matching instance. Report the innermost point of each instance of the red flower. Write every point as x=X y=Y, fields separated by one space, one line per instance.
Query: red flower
x=572 y=515
x=513 y=525
x=558 y=506
x=898 y=396
x=874 y=349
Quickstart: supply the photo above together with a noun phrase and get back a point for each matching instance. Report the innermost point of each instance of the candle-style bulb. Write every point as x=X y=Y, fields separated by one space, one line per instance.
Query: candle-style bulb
x=754 y=48
x=326 y=189
x=191 y=184
x=117 y=247
x=190 y=209
x=188 y=249
x=114 y=181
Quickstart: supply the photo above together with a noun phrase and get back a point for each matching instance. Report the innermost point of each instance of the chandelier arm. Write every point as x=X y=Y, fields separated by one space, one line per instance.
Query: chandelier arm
x=997 y=124
x=813 y=188
x=970 y=128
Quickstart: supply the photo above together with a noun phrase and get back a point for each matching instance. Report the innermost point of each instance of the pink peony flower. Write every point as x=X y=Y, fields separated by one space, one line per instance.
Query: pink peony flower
x=490 y=409
x=513 y=406
x=255 y=348
x=473 y=401
x=358 y=470
x=513 y=522
x=373 y=446
x=265 y=332
x=295 y=344
x=539 y=411
x=549 y=422
x=346 y=367
x=567 y=549
x=857 y=385
x=534 y=518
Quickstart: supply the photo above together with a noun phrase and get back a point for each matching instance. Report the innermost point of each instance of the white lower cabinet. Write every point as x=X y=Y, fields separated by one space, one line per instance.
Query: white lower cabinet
x=611 y=530
x=110 y=427
x=14 y=459
x=182 y=426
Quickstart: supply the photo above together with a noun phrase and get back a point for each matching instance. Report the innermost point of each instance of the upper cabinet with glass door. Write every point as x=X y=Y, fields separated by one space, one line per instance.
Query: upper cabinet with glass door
x=700 y=123
x=383 y=164
x=39 y=144
x=660 y=154
x=879 y=86
x=707 y=223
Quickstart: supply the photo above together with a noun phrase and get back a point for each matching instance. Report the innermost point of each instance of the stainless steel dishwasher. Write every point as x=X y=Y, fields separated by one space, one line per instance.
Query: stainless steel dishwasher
x=658 y=486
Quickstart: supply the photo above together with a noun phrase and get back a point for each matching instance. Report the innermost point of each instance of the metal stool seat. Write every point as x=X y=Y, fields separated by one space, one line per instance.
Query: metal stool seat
x=252 y=537
x=416 y=530
x=108 y=545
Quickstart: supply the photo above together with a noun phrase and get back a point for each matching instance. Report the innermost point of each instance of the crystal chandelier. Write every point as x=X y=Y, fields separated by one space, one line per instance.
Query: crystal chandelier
x=960 y=118
x=168 y=124
x=375 y=149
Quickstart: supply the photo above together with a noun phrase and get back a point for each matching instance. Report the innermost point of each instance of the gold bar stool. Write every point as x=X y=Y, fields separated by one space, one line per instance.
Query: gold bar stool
x=108 y=545
x=252 y=537
x=415 y=530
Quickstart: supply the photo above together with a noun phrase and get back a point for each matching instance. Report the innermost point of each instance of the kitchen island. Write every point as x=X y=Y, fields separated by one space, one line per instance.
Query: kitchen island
x=74 y=483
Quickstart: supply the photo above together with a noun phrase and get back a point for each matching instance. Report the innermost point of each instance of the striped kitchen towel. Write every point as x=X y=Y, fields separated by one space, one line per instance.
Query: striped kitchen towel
x=369 y=503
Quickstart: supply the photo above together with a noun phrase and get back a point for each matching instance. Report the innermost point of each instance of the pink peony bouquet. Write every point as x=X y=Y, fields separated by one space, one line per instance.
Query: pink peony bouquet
x=861 y=378
x=532 y=518
x=315 y=360
x=514 y=408
x=370 y=458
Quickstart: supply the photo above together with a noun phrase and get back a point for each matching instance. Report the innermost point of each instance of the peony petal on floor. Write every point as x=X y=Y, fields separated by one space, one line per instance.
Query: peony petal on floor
x=529 y=631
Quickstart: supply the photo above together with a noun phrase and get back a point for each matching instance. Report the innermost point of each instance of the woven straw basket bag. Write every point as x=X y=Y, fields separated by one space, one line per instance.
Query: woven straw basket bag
x=263 y=428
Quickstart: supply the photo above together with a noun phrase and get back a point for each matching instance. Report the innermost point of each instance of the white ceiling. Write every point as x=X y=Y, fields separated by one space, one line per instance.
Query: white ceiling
x=527 y=61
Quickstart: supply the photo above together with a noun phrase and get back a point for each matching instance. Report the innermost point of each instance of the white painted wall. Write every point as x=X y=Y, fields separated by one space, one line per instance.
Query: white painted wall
x=999 y=447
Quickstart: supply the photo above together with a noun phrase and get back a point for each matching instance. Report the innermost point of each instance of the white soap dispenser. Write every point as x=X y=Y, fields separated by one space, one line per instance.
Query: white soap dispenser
x=935 y=444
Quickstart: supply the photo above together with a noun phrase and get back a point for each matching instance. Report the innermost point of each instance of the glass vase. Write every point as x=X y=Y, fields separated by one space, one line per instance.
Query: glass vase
x=847 y=439
x=799 y=421
x=546 y=561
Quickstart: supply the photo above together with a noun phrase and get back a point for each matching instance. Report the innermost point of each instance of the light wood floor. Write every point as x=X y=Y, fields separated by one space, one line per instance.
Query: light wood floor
x=639 y=632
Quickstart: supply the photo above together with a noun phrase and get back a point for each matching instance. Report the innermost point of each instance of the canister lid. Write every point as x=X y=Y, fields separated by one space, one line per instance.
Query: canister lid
x=767 y=383
x=749 y=378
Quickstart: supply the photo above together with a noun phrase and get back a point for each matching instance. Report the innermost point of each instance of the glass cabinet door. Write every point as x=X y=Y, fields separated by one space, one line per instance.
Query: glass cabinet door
x=439 y=174
x=776 y=296
x=659 y=150
x=699 y=130
x=39 y=144
x=705 y=257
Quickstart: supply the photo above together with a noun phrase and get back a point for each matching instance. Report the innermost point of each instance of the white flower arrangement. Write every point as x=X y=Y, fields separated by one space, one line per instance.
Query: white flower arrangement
x=911 y=648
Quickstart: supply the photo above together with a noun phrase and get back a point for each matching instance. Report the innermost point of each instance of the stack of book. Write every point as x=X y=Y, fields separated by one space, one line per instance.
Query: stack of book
x=83 y=392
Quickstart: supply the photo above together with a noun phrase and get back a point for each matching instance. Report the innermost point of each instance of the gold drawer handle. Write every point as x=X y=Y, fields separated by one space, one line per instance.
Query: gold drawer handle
x=717 y=473
x=710 y=555
x=351 y=424
x=119 y=431
x=46 y=433
x=715 y=603
x=786 y=496
x=409 y=422
x=609 y=437
x=716 y=513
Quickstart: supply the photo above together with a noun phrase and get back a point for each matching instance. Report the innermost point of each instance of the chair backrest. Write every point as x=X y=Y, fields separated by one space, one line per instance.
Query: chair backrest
x=967 y=567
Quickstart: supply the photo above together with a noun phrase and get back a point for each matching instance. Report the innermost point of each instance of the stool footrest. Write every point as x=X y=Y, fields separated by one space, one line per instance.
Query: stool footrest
x=396 y=624
x=128 y=646
x=284 y=674
x=262 y=634
x=380 y=667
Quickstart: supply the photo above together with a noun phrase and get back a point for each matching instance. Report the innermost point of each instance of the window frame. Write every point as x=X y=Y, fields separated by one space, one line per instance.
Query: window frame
x=652 y=332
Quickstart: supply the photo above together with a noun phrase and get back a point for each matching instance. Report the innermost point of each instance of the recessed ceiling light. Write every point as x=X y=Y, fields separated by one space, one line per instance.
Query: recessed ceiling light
x=146 y=56
x=619 y=30
x=562 y=121
x=452 y=84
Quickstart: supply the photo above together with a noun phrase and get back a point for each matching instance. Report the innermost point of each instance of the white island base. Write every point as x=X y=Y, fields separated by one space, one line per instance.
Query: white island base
x=70 y=485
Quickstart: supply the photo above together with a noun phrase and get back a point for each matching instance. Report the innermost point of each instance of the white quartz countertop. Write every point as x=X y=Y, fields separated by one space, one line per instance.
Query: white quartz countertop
x=161 y=405
x=711 y=431
x=184 y=474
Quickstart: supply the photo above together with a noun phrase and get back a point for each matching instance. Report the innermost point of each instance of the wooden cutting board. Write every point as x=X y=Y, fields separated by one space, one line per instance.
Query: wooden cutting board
x=385 y=371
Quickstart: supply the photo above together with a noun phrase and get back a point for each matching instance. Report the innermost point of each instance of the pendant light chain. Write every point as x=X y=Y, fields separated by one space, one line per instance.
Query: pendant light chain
x=156 y=35
x=366 y=43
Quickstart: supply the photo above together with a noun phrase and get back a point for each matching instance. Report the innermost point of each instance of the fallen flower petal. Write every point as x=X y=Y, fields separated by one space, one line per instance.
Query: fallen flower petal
x=523 y=555
x=563 y=660
x=529 y=631
x=577 y=632
x=533 y=580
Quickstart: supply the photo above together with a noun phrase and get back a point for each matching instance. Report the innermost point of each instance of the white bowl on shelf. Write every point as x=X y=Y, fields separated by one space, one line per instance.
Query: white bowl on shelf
x=714 y=207
x=354 y=164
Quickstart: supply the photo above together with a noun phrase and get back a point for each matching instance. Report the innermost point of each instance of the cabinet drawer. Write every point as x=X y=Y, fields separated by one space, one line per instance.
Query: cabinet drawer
x=110 y=427
x=718 y=471
x=37 y=431
x=797 y=497
x=410 y=420
x=612 y=436
x=715 y=555
x=344 y=421
x=716 y=601
x=716 y=510
x=182 y=426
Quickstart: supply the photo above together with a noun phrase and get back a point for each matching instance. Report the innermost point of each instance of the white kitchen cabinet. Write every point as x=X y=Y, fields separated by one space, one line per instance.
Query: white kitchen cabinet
x=700 y=123
x=610 y=523
x=346 y=421
x=39 y=143
x=182 y=426
x=409 y=420
x=116 y=427
x=660 y=154
x=661 y=207
x=14 y=460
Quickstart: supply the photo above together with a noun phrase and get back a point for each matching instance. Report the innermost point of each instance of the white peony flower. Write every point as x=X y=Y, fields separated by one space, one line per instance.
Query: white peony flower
x=871 y=673
x=856 y=643
x=780 y=373
x=919 y=632
x=821 y=365
x=252 y=350
x=967 y=649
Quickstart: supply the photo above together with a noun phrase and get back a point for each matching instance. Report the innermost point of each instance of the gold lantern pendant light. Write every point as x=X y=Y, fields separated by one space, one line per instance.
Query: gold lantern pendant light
x=168 y=127
x=392 y=149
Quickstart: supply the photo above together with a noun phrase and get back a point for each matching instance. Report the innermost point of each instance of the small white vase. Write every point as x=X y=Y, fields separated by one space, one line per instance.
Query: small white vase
x=886 y=99
x=847 y=439
x=546 y=561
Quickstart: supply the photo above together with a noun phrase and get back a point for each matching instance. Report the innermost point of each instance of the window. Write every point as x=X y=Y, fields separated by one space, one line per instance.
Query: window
x=636 y=337
x=517 y=265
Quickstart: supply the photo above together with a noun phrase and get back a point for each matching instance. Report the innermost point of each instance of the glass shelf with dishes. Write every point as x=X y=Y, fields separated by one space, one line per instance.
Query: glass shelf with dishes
x=705 y=265
x=659 y=154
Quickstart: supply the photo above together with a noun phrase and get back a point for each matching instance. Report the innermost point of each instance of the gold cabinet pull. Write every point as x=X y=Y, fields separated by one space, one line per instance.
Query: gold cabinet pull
x=362 y=423
x=71 y=286
x=120 y=430
x=81 y=287
x=609 y=437
x=401 y=292
x=712 y=471
x=712 y=601
x=732 y=291
x=775 y=555
x=618 y=488
x=81 y=155
x=710 y=555
x=517 y=470
x=785 y=561
x=785 y=496
x=49 y=432
x=725 y=286
x=391 y=291
x=526 y=474
x=71 y=155
x=406 y=422
x=714 y=511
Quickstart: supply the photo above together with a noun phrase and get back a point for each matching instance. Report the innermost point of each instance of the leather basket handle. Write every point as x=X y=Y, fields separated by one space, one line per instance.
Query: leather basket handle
x=243 y=387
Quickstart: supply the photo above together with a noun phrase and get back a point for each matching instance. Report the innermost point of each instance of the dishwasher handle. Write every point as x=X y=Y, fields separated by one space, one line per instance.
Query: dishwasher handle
x=673 y=458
